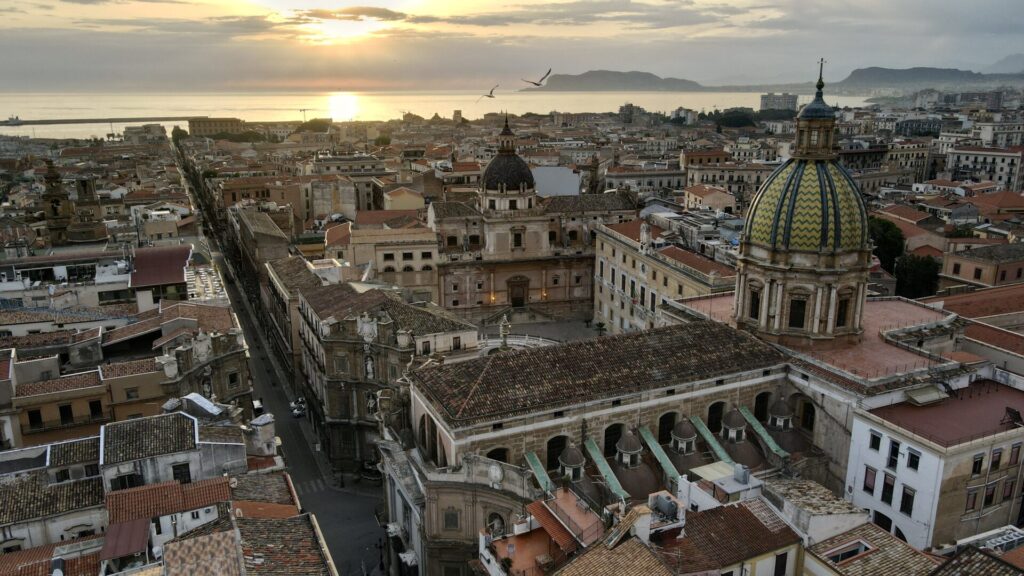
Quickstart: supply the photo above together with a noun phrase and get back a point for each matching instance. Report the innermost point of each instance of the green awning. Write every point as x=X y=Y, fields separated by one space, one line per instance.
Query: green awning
x=659 y=454
x=605 y=469
x=710 y=440
x=760 y=430
x=539 y=472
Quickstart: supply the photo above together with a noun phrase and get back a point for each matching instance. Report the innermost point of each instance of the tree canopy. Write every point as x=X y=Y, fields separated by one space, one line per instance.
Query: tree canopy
x=888 y=240
x=917 y=276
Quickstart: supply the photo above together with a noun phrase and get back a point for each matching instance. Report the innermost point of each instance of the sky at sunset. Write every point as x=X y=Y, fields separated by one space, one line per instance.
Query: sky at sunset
x=182 y=45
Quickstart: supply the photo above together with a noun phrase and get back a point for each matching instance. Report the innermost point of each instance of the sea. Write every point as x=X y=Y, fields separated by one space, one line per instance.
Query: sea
x=339 y=106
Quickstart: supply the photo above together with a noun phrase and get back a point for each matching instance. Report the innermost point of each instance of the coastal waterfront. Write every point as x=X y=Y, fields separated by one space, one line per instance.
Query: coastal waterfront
x=340 y=106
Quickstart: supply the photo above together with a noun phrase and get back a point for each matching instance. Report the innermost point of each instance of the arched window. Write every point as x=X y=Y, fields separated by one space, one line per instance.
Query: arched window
x=389 y=268
x=715 y=416
x=611 y=438
x=408 y=269
x=761 y=403
x=495 y=524
x=428 y=268
x=499 y=454
x=555 y=447
x=665 y=425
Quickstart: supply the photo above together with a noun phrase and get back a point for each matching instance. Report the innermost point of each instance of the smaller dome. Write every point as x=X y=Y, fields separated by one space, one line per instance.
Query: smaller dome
x=571 y=457
x=780 y=409
x=684 y=430
x=734 y=420
x=629 y=444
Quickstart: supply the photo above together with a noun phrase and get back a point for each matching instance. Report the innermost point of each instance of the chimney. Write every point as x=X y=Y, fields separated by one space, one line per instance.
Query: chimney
x=741 y=473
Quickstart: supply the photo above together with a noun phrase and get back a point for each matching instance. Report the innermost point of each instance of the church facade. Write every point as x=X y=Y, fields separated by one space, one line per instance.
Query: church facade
x=511 y=248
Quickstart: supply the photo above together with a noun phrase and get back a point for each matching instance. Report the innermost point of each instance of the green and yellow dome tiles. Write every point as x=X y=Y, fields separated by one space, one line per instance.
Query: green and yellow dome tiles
x=808 y=205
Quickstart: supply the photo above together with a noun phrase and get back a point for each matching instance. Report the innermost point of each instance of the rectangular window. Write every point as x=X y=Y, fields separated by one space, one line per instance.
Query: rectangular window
x=997 y=456
x=131 y=393
x=426 y=256
x=157 y=526
x=451 y=241
x=876 y=441
x=956 y=269
x=63 y=475
x=1008 y=487
x=894 y=455
x=513 y=205
x=233 y=380
x=389 y=257
x=979 y=460
x=869 y=479
x=517 y=240
x=457 y=343
x=67 y=415
x=842 y=311
x=426 y=347
x=181 y=473
x=755 y=304
x=977 y=273
x=780 y=564
x=990 y=495
x=406 y=256
x=797 y=310
x=95 y=409
x=1014 y=454
x=888 y=486
x=913 y=459
x=451 y=519
x=907 y=501
x=195 y=514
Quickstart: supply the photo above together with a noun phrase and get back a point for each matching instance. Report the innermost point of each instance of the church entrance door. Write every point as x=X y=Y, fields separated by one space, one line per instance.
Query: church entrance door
x=518 y=291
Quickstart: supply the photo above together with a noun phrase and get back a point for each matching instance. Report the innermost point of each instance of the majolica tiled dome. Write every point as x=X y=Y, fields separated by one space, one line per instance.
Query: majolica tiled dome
x=808 y=205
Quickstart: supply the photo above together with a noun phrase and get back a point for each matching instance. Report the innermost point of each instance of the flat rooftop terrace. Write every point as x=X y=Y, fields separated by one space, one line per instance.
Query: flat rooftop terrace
x=976 y=411
x=872 y=357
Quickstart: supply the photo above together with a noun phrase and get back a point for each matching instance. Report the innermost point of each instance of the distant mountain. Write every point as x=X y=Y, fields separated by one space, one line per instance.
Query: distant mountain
x=875 y=77
x=1012 y=64
x=612 y=81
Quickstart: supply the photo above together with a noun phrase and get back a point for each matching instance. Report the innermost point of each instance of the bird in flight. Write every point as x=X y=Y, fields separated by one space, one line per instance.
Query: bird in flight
x=538 y=82
x=489 y=94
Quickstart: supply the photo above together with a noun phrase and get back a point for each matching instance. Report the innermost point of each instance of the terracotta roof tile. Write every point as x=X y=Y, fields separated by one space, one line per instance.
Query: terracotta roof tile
x=147 y=437
x=520 y=382
x=888 y=554
x=165 y=498
x=31 y=496
x=62 y=384
x=697 y=262
x=630 y=558
x=75 y=452
x=281 y=547
x=129 y=368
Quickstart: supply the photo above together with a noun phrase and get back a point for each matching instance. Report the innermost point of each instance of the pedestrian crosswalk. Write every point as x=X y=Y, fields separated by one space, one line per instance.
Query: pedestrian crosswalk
x=310 y=486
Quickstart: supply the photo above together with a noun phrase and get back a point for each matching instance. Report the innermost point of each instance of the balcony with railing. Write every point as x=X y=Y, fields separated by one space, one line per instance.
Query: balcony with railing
x=35 y=426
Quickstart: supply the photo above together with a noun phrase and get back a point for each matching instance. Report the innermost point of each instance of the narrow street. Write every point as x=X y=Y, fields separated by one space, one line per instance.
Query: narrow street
x=345 y=514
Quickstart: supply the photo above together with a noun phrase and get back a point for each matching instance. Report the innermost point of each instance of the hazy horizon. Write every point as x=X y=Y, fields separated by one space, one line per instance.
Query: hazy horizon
x=422 y=45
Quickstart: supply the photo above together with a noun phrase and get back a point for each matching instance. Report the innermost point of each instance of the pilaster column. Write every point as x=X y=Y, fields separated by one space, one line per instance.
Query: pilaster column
x=832 y=309
x=816 y=319
x=780 y=287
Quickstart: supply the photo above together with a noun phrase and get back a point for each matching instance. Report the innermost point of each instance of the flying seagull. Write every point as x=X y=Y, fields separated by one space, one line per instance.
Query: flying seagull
x=489 y=94
x=538 y=82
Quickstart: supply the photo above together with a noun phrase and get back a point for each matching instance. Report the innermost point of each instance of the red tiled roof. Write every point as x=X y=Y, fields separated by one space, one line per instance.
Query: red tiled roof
x=631 y=229
x=1009 y=341
x=373 y=217
x=129 y=368
x=165 y=498
x=906 y=213
x=703 y=190
x=338 y=235
x=250 y=509
x=37 y=560
x=985 y=302
x=697 y=262
x=927 y=250
x=1004 y=199
x=160 y=266
x=62 y=384
x=558 y=532
x=909 y=230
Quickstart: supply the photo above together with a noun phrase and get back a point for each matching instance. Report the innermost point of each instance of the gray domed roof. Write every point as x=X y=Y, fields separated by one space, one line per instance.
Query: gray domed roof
x=684 y=430
x=508 y=170
x=571 y=457
x=629 y=443
x=817 y=109
x=780 y=409
x=733 y=419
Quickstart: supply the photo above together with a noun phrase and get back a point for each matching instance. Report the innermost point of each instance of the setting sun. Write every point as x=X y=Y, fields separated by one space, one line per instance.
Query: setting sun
x=343 y=105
